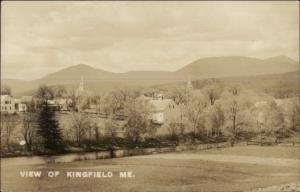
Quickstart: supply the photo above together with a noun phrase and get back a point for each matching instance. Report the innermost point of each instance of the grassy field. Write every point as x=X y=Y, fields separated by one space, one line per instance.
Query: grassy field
x=160 y=172
x=290 y=152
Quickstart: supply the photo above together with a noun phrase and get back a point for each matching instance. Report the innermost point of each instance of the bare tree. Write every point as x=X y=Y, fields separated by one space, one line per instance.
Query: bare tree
x=274 y=118
x=5 y=90
x=179 y=95
x=213 y=91
x=8 y=126
x=111 y=128
x=194 y=113
x=234 y=89
x=72 y=96
x=59 y=91
x=80 y=127
x=217 y=119
x=174 y=129
x=294 y=114
x=232 y=111
x=43 y=94
x=137 y=122
x=29 y=129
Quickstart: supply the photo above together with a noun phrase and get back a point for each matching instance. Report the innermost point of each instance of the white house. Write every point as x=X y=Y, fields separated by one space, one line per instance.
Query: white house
x=162 y=110
x=7 y=104
x=11 y=105
x=20 y=106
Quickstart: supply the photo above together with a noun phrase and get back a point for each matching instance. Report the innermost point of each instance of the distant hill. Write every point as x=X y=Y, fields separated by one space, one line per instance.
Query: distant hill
x=238 y=66
x=277 y=85
x=98 y=80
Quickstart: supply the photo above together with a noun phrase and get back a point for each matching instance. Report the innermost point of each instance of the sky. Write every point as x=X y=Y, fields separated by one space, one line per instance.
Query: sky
x=40 y=37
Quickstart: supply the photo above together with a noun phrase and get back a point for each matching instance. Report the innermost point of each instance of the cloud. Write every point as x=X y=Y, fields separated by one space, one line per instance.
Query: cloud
x=123 y=36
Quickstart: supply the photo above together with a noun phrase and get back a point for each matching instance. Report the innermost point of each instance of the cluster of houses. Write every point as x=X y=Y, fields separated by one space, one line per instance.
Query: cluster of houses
x=162 y=110
x=11 y=105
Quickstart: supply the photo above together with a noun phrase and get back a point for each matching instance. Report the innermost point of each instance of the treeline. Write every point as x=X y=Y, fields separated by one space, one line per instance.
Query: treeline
x=211 y=112
x=215 y=109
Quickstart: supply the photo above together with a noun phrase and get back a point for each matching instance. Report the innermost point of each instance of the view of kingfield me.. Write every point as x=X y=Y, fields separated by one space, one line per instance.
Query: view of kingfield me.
x=150 y=96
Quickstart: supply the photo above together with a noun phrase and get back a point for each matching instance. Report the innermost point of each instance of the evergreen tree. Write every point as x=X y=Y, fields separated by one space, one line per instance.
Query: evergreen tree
x=49 y=130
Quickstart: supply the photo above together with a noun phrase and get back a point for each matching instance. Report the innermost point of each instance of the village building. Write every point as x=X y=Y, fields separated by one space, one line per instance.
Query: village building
x=59 y=104
x=11 y=105
x=162 y=110
x=7 y=104
x=20 y=106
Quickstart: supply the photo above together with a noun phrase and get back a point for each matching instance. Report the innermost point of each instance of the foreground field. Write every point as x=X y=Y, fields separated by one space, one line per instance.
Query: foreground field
x=186 y=171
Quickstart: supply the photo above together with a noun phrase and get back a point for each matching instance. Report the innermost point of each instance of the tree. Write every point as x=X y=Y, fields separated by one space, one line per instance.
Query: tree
x=43 y=94
x=111 y=129
x=194 y=113
x=179 y=95
x=5 y=90
x=97 y=100
x=234 y=89
x=72 y=96
x=173 y=129
x=213 y=90
x=232 y=111
x=59 y=91
x=8 y=127
x=80 y=127
x=137 y=122
x=274 y=118
x=32 y=106
x=49 y=131
x=217 y=119
x=294 y=114
x=29 y=129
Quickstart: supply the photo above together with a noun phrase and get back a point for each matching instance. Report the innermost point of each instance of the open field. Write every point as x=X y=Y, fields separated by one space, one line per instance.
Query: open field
x=185 y=171
x=290 y=152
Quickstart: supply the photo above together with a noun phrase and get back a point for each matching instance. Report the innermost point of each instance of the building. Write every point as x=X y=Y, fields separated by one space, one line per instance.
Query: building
x=59 y=104
x=162 y=110
x=11 y=105
x=20 y=106
x=63 y=104
x=7 y=104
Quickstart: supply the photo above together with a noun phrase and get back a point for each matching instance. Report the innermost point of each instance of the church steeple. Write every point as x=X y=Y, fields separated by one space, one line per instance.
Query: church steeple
x=189 y=84
x=81 y=85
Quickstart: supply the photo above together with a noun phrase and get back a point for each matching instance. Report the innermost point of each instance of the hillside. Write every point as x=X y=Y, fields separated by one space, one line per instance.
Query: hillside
x=73 y=74
x=238 y=66
x=277 y=85
x=214 y=67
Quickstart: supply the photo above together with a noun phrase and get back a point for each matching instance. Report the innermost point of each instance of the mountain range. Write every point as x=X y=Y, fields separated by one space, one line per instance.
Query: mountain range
x=211 y=67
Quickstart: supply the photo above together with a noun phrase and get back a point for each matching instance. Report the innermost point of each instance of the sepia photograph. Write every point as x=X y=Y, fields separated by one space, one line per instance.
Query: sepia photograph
x=150 y=96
